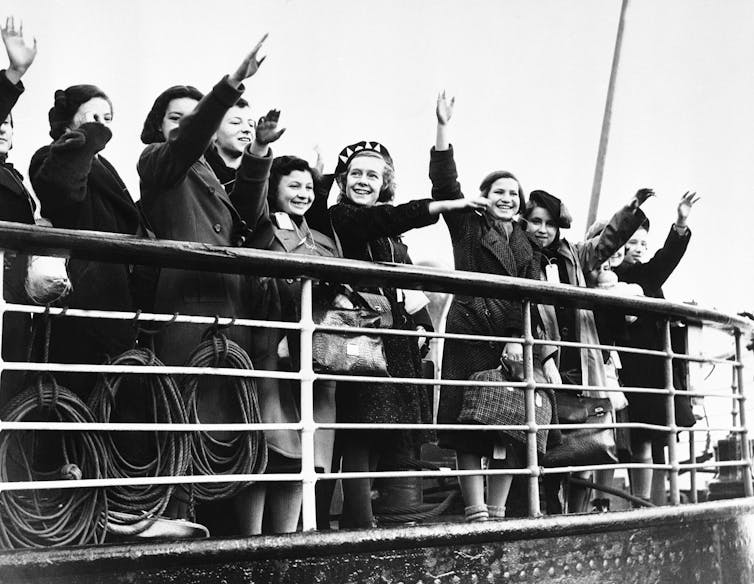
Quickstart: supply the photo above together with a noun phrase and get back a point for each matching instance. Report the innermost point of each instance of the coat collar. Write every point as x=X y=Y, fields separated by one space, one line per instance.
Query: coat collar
x=499 y=246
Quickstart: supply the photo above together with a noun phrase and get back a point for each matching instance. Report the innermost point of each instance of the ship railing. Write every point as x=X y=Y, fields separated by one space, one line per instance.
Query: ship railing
x=110 y=247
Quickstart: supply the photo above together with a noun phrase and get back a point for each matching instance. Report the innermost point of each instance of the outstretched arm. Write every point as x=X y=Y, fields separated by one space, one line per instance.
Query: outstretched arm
x=163 y=165
x=616 y=233
x=654 y=273
x=20 y=55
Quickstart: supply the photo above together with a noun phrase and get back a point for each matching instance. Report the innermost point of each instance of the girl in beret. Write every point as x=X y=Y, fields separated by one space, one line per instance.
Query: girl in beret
x=369 y=228
x=544 y=217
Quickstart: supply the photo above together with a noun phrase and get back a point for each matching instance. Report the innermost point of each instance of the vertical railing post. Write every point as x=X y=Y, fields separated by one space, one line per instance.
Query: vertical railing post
x=675 y=498
x=531 y=420
x=744 y=434
x=308 y=474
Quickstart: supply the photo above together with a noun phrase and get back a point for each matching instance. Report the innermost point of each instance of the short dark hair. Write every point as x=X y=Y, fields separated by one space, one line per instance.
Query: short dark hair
x=487 y=182
x=242 y=102
x=283 y=166
x=152 y=131
x=67 y=103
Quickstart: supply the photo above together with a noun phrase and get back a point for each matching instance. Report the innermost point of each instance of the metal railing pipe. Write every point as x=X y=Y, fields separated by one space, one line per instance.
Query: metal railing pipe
x=308 y=472
x=531 y=420
x=744 y=435
x=670 y=437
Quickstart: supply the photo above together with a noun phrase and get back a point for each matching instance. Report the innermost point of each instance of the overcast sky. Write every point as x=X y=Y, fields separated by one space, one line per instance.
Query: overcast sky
x=530 y=79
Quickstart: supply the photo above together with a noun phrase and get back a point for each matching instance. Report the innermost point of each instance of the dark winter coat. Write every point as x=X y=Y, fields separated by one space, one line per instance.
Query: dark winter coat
x=78 y=189
x=183 y=200
x=373 y=234
x=646 y=332
x=479 y=245
x=16 y=204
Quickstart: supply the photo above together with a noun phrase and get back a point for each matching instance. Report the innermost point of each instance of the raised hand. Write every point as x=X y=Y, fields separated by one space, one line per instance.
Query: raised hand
x=688 y=200
x=266 y=130
x=249 y=66
x=20 y=55
x=319 y=164
x=266 y=133
x=444 y=108
x=641 y=197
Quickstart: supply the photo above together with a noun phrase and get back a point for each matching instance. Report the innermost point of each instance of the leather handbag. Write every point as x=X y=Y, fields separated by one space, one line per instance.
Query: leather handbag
x=585 y=446
x=358 y=353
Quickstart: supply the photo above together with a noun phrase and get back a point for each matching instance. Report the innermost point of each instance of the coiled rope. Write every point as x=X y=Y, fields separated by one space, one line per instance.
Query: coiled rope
x=244 y=452
x=134 y=508
x=58 y=517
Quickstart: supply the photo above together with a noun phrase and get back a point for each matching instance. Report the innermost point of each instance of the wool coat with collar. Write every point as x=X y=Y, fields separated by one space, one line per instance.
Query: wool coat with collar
x=480 y=244
x=184 y=200
x=79 y=189
x=581 y=259
x=279 y=399
x=647 y=333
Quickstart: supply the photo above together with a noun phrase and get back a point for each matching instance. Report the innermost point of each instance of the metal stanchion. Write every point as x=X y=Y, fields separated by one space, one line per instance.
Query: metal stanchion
x=308 y=474
x=744 y=434
x=531 y=421
x=675 y=497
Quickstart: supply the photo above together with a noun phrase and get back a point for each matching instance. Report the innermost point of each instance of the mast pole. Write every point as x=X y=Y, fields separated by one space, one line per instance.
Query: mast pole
x=605 y=135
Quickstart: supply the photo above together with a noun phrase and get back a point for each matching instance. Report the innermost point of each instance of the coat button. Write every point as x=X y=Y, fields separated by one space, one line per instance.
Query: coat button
x=217 y=227
x=564 y=331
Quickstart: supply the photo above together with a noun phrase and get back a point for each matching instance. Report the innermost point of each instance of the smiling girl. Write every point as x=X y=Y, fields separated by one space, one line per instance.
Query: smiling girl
x=487 y=241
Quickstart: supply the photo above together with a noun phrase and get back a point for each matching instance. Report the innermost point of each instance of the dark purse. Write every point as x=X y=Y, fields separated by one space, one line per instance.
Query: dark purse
x=586 y=446
x=358 y=353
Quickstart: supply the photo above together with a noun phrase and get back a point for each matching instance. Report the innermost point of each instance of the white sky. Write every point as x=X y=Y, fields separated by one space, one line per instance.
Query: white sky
x=530 y=79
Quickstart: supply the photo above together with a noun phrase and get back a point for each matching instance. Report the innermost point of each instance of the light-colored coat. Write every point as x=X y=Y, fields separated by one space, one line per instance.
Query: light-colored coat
x=584 y=258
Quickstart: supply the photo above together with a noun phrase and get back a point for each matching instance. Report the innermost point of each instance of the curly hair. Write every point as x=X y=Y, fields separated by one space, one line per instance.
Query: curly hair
x=152 y=131
x=67 y=103
x=283 y=166
x=387 y=193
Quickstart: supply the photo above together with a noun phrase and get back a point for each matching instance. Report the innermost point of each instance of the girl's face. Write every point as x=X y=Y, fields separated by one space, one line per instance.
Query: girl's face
x=504 y=201
x=636 y=247
x=96 y=109
x=236 y=130
x=6 y=135
x=364 y=180
x=542 y=226
x=295 y=193
x=177 y=108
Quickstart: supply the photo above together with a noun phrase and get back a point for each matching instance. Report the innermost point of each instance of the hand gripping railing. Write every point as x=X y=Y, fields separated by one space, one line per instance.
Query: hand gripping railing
x=195 y=256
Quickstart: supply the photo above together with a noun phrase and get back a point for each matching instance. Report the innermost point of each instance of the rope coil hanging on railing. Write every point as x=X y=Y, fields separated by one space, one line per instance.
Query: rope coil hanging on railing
x=51 y=517
x=244 y=452
x=166 y=455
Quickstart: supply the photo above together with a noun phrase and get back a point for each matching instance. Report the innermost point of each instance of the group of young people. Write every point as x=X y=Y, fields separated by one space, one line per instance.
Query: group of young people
x=207 y=174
